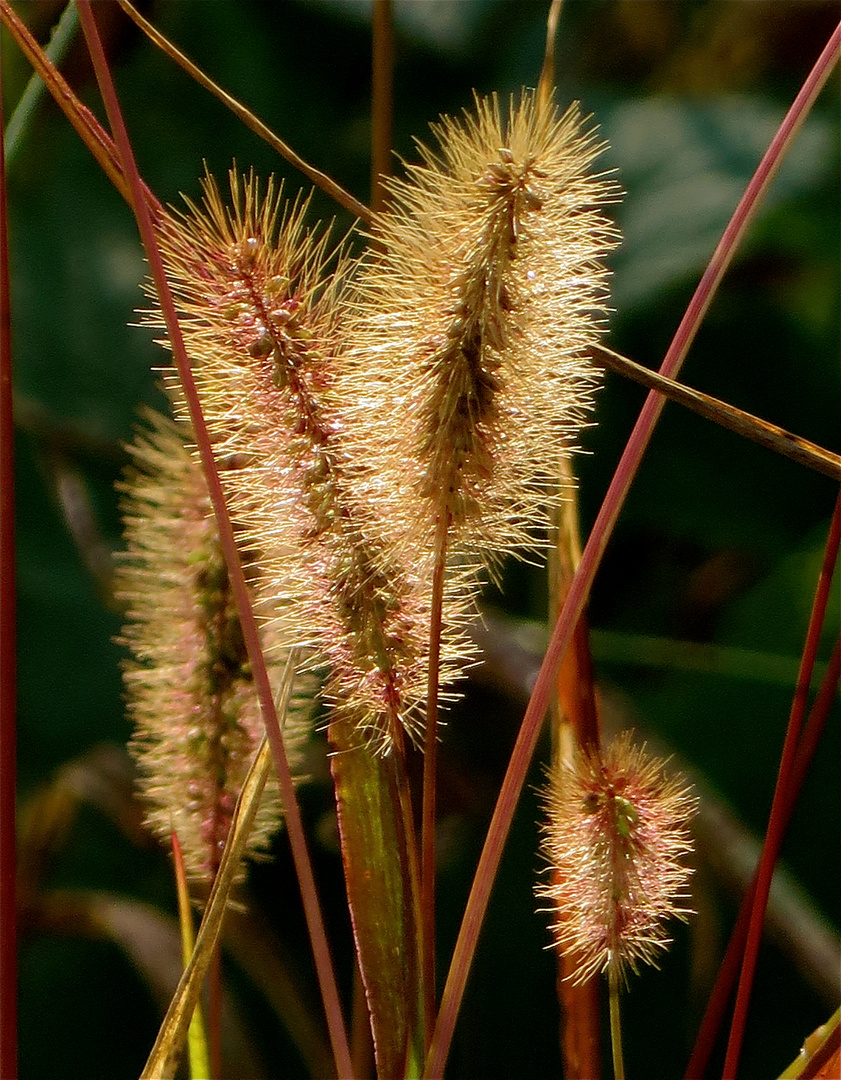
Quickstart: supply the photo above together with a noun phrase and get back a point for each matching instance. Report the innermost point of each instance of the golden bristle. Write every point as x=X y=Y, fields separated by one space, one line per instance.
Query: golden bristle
x=262 y=324
x=615 y=842
x=472 y=320
x=188 y=681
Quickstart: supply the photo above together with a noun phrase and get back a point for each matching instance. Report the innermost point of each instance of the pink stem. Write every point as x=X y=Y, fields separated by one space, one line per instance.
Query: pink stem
x=530 y=729
x=781 y=805
x=324 y=967
x=729 y=969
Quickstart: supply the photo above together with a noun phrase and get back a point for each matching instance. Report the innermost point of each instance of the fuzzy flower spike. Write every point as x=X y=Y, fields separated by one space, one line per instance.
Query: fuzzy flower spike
x=260 y=306
x=473 y=318
x=615 y=843
x=188 y=681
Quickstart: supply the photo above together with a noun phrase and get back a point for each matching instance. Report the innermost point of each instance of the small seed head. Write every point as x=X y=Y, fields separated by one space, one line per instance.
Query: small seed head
x=615 y=841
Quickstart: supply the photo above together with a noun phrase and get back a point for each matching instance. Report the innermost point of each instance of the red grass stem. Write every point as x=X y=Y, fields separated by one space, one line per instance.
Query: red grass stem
x=614 y=499
x=8 y=891
x=324 y=967
x=782 y=803
x=717 y=1006
x=86 y=125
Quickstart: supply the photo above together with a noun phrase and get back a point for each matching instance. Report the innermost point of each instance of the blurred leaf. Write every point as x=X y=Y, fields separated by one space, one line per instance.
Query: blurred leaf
x=685 y=165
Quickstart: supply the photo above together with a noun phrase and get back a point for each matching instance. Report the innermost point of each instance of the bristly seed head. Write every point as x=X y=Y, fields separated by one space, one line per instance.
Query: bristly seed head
x=472 y=321
x=614 y=841
x=188 y=681
x=261 y=319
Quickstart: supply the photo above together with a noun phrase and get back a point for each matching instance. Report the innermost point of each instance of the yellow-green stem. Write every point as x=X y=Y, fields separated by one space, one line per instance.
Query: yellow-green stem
x=214 y=1012
x=196 y=1038
x=615 y=1024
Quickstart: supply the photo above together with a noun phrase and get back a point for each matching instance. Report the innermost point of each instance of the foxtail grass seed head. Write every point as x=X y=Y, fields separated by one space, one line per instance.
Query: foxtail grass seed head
x=260 y=301
x=188 y=680
x=473 y=316
x=615 y=843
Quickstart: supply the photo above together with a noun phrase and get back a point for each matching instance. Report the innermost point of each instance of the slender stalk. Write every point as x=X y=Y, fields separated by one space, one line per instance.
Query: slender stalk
x=614 y=499
x=382 y=98
x=729 y=969
x=750 y=427
x=780 y=806
x=575 y=723
x=196 y=1037
x=162 y=1059
x=324 y=968
x=616 y=1025
x=214 y=1011
x=546 y=82
x=8 y=769
x=813 y=729
x=430 y=769
x=320 y=179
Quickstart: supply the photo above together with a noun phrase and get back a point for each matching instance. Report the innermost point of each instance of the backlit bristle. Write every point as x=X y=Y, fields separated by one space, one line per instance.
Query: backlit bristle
x=472 y=318
x=188 y=682
x=615 y=843
x=261 y=318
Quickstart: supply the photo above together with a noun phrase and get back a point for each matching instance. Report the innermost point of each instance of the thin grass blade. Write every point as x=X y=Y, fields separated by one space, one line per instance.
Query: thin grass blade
x=821 y=1054
x=196 y=1039
x=751 y=427
x=163 y=1058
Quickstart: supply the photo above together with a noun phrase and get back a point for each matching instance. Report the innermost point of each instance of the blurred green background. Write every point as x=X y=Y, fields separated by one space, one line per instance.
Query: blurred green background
x=719 y=543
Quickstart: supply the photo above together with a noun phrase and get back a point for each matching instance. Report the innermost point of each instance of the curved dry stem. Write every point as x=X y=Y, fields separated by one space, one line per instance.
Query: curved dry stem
x=164 y=1054
x=546 y=82
x=751 y=427
x=320 y=179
